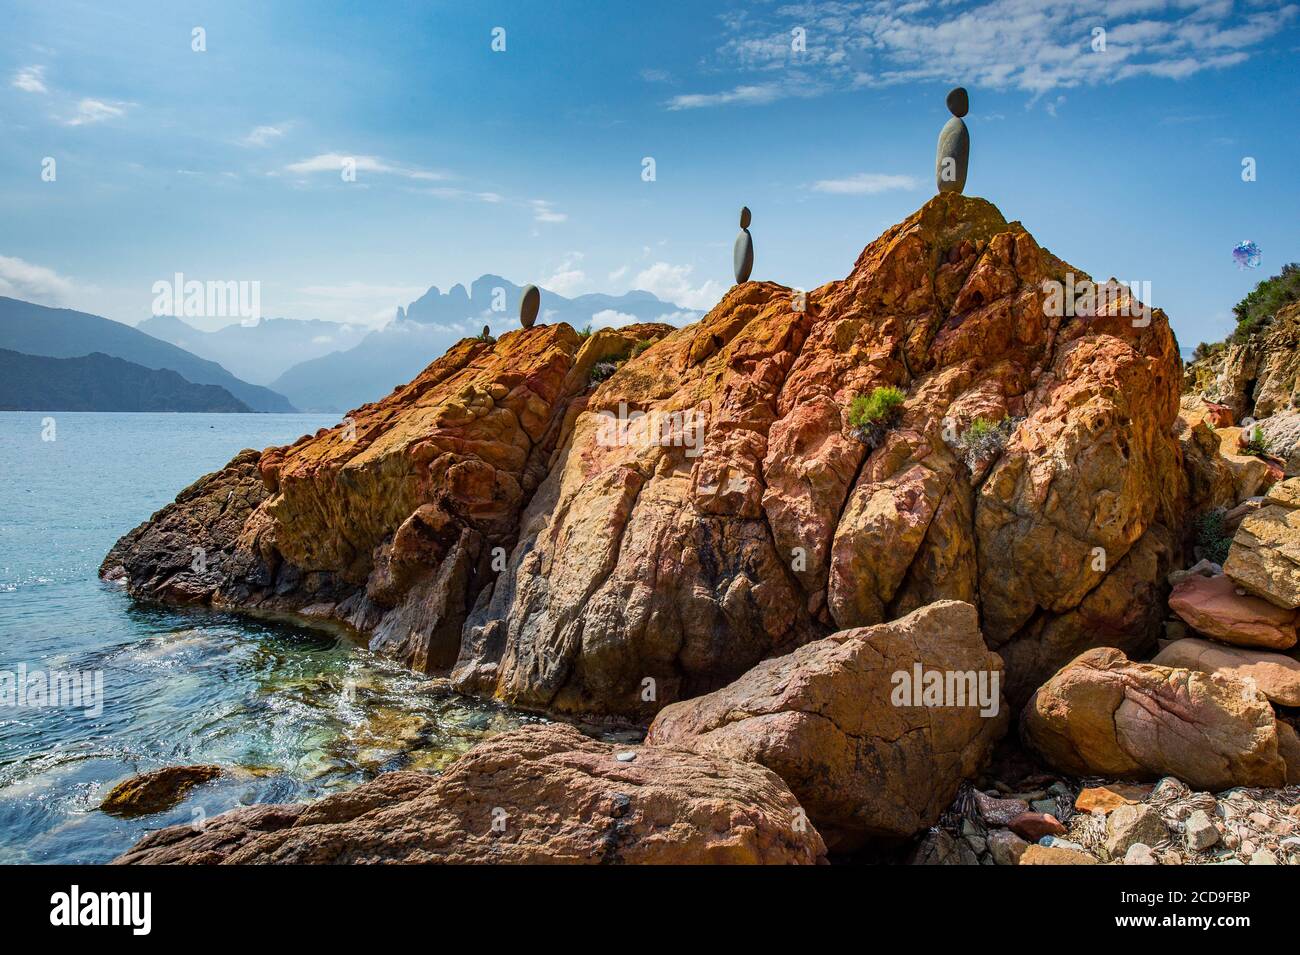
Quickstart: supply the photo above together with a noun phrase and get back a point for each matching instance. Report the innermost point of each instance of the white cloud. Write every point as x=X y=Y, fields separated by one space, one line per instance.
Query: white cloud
x=1035 y=46
x=468 y=195
x=33 y=283
x=612 y=318
x=754 y=94
x=865 y=183
x=544 y=211
x=96 y=111
x=672 y=284
x=264 y=135
x=359 y=304
x=336 y=162
x=568 y=280
x=30 y=79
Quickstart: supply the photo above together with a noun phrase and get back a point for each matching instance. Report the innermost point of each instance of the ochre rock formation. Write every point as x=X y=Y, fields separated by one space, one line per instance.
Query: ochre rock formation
x=710 y=505
x=647 y=573
x=387 y=522
x=541 y=794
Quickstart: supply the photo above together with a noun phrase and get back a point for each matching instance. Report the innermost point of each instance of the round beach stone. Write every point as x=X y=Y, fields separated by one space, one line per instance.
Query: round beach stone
x=745 y=217
x=529 y=302
x=958 y=101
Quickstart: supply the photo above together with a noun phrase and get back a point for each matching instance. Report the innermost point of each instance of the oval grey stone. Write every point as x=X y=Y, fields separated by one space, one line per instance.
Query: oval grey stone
x=743 y=256
x=952 y=157
x=529 y=302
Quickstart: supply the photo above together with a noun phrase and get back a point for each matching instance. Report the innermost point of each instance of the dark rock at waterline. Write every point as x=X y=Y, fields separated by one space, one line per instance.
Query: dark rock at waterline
x=529 y=302
x=540 y=794
x=156 y=790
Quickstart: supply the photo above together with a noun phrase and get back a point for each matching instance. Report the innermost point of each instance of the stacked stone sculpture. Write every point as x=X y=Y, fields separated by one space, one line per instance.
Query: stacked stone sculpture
x=954 y=145
x=529 y=302
x=743 y=255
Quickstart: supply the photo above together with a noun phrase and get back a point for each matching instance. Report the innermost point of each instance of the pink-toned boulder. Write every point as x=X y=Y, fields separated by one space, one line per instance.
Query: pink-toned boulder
x=1104 y=715
x=1220 y=416
x=1276 y=674
x=1212 y=606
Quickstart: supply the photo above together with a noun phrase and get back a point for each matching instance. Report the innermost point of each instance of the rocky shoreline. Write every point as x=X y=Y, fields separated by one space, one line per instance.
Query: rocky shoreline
x=834 y=617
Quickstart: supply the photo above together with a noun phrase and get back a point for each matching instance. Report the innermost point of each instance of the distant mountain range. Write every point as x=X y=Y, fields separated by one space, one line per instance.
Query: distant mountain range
x=426 y=328
x=63 y=333
x=99 y=382
x=260 y=352
x=308 y=365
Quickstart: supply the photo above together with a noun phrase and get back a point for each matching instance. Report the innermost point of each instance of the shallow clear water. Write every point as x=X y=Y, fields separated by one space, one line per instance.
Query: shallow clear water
x=291 y=712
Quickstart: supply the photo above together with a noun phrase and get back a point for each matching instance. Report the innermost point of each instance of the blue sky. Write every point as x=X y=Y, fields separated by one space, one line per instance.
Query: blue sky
x=224 y=164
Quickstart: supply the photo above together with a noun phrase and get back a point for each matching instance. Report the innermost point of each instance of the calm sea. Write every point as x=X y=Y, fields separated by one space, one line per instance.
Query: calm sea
x=291 y=712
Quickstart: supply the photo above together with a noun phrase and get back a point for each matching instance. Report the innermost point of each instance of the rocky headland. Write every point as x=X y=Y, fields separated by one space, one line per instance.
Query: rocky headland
x=915 y=565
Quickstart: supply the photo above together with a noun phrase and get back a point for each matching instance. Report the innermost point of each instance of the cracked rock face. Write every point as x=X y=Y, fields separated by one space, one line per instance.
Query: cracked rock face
x=827 y=719
x=1103 y=715
x=655 y=567
x=387 y=522
x=541 y=794
x=709 y=505
x=1258 y=377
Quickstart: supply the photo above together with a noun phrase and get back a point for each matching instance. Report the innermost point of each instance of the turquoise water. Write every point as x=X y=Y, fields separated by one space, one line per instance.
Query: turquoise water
x=292 y=712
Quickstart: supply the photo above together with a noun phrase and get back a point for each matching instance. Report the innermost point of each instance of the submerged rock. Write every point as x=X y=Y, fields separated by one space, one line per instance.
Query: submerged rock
x=156 y=790
x=541 y=794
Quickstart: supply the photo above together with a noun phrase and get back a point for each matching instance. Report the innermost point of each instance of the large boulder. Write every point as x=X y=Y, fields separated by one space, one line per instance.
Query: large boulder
x=838 y=721
x=1276 y=674
x=541 y=794
x=1212 y=606
x=742 y=514
x=390 y=521
x=1265 y=554
x=1103 y=715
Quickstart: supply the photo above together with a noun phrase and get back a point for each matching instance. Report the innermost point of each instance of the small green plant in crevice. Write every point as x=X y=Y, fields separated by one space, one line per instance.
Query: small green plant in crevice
x=1211 y=539
x=984 y=439
x=603 y=369
x=640 y=346
x=1254 y=442
x=585 y=332
x=872 y=415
